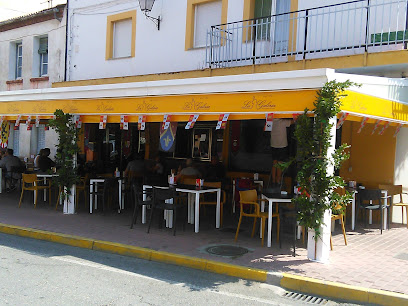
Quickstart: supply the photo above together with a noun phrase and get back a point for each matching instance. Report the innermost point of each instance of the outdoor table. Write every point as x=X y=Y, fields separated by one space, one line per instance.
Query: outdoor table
x=273 y=198
x=95 y=182
x=193 y=212
x=45 y=176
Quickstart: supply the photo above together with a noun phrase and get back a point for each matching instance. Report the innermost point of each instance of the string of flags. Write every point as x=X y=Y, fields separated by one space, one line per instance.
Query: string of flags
x=166 y=122
x=124 y=122
x=362 y=124
x=141 y=123
x=341 y=120
x=102 y=122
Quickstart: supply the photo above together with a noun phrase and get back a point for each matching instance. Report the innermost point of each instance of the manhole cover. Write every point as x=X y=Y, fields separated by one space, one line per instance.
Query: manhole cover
x=226 y=250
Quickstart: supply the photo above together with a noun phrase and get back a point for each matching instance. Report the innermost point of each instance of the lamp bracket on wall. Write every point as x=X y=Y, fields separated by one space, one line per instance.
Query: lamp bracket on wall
x=155 y=20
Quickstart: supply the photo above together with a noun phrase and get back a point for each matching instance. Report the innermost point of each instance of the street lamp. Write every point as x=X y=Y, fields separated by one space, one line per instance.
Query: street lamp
x=146 y=7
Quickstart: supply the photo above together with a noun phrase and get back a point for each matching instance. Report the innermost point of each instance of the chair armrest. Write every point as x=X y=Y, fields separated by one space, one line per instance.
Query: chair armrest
x=257 y=206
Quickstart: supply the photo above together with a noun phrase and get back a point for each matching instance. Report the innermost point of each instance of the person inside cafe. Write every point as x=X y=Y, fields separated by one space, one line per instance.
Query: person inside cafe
x=44 y=162
x=37 y=158
x=189 y=170
x=279 y=147
x=135 y=168
x=10 y=162
x=215 y=170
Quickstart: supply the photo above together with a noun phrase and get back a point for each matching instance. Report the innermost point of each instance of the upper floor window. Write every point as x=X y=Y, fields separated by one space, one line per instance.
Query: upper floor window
x=201 y=15
x=207 y=14
x=43 y=53
x=19 y=61
x=262 y=12
x=121 y=35
x=122 y=38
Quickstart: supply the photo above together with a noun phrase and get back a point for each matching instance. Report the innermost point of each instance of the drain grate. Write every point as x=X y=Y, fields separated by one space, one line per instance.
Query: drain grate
x=226 y=250
x=305 y=298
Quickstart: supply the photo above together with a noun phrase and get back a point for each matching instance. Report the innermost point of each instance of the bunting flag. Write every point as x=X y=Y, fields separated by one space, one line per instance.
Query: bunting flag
x=166 y=122
x=28 y=123
x=362 y=125
x=37 y=121
x=295 y=116
x=381 y=132
x=341 y=120
x=141 y=123
x=102 y=122
x=124 y=122
x=269 y=122
x=377 y=123
x=397 y=130
x=78 y=121
x=29 y=127
x=5 y=132
x=222 y=121
x=191 y=121
x=17 y=121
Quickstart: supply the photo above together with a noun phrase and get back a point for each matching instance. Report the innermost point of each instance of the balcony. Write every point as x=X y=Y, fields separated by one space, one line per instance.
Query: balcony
x=334 y=30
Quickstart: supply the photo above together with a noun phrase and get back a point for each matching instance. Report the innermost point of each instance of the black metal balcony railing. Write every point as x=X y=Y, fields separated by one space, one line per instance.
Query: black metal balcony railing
x=342 y=29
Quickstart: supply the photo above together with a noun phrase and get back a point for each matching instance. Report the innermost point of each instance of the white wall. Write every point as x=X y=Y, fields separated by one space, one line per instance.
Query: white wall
x=401 y=171
x=28 y=35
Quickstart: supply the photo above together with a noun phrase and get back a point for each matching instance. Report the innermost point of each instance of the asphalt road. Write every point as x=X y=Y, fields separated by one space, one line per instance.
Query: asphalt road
x=34 y=272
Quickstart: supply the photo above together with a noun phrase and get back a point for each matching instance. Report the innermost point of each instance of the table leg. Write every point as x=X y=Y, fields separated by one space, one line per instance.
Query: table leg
x=218 y=211
x=197 y=212
x=96 y=196
x=144 y=206
x=45 y=190
x=120 y=194
x=188 y=208
x=91 y=187
x=370 y=217
x=353 y=212
x=191 y=203
x=269 y=243
x=385 y=211
x=233 y=196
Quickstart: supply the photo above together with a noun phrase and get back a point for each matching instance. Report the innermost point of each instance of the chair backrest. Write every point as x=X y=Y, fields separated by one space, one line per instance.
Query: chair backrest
x=248 y=196
x=391 y=189
x=29 y=178
x=367 y=195
x=187 y=179
x=162 y=194
x=340 y=191
x=212 y=184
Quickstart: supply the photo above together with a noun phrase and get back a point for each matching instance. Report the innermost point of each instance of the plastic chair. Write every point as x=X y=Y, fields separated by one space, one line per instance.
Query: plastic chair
x=160 y=196
x=250 y=199
x=337 y=214
x=33 y=185
x=372 y=199
x=393 y=190
x=206 y=201
x=137 y=198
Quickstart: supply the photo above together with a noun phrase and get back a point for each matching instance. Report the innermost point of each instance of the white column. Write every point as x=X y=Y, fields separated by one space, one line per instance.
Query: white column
x=319 y=250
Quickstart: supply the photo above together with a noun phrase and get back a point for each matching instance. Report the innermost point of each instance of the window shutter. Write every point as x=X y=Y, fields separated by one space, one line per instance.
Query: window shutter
x=41 y=138
x=122 y=38
x=206 y=15
x=43 y=48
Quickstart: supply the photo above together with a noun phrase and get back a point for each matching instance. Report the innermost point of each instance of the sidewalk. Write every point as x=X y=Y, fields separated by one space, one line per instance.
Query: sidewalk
x=370 y=260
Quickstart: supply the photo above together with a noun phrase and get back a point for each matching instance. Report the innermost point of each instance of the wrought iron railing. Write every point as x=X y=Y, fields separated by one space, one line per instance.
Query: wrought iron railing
x=342 y=29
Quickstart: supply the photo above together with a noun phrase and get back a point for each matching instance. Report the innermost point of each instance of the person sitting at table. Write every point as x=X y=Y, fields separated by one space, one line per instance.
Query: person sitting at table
x=44 y=162
x=158 y=167
x=216 y=170
x=8 y=162
x=37 y=158
x=189 y=170
x=136 y=167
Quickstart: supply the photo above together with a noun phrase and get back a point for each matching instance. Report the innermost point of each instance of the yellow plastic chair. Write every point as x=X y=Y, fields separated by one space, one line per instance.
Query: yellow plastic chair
x=31 y=183
x=393 y=190
x=340 y=216
x=250 y=199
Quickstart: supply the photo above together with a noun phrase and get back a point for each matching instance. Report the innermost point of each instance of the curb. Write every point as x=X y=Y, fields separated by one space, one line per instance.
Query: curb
x=302 y=284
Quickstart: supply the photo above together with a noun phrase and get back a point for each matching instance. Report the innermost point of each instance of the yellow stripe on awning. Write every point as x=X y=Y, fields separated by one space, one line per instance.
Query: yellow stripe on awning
x=244 y=105
x=358 y=104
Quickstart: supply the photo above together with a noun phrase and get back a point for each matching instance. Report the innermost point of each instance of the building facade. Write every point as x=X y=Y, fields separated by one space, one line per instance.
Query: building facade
x=32 y=52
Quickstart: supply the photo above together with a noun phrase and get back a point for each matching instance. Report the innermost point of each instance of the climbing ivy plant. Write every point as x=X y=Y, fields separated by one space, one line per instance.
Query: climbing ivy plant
x=313 y=142
x=67 y=149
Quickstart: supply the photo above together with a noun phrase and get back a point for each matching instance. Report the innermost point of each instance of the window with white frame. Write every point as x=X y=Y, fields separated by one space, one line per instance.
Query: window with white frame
x=19 y=60
x=122 y=38
x=207 y=14
x=43 y=53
